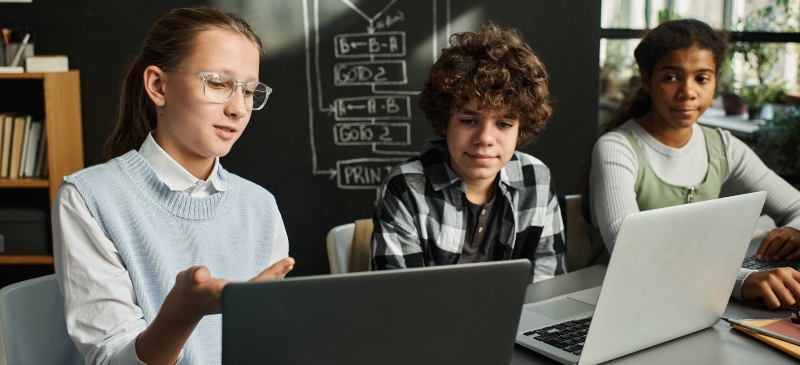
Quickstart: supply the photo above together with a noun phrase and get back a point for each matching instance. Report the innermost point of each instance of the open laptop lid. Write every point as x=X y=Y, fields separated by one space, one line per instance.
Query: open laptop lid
x=671 y=274
x=462 y=314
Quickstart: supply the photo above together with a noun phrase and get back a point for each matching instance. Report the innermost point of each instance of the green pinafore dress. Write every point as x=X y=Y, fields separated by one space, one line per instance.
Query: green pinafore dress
x=653 y=193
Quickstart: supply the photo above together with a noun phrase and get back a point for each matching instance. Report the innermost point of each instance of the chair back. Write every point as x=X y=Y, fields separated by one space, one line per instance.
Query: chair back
x=32 y=326
x=576 y=233
x=338 y=242
x=349 y=246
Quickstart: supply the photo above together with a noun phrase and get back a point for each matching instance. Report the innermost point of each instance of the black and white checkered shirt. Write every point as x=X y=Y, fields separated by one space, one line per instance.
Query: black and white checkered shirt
x=421 y=217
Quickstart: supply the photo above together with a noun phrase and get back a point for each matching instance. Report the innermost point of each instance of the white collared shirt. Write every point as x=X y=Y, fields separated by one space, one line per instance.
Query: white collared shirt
x=100 y=306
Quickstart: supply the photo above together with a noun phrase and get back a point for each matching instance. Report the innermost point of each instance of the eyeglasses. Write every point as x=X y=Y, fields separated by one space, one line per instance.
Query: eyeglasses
x=220 y=88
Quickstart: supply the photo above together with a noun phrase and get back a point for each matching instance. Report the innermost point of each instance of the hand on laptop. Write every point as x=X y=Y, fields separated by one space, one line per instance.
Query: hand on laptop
x=778 y=287
x=780 y=244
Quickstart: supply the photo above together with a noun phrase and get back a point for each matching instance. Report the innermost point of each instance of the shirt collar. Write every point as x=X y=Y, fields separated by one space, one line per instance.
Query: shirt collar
x=435 y=159
x=171 y=173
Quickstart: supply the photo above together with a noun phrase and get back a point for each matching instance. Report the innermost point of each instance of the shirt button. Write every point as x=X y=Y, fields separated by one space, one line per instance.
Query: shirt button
x=483 y=212
x=480 y=229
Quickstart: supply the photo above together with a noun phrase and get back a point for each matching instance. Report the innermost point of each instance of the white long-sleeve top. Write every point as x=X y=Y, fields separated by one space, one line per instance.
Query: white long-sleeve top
x=101 y=312
x=614 y=170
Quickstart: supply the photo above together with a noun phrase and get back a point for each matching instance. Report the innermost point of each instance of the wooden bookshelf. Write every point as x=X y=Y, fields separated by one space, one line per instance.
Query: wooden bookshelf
x=26 y=260
x=60 y=104
x=24 y=183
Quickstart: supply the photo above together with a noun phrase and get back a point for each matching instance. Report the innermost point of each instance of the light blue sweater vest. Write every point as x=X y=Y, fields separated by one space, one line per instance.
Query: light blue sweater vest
x=160 y=233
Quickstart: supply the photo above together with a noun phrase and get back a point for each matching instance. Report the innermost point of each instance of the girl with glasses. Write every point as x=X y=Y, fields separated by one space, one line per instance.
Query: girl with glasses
x=653 y=154
x=145 y=242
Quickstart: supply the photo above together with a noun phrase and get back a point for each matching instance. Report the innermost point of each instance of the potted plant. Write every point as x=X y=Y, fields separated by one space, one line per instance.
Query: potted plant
x=608 y=74
x=778 y=144
x=758 y=96
x=793 y=97
x=615 y=65
x=728 y=89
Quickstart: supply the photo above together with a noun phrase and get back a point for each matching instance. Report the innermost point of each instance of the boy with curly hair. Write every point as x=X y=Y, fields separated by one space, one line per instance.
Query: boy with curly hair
x=469 y=196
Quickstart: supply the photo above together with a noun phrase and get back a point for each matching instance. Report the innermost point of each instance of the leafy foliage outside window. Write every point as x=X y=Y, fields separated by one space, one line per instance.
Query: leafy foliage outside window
x=762 y=56
x=778 y=141
x=667 y=15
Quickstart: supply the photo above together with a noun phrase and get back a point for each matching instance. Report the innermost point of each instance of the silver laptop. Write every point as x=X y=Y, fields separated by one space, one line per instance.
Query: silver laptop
x=417 y=316
x=671 y=274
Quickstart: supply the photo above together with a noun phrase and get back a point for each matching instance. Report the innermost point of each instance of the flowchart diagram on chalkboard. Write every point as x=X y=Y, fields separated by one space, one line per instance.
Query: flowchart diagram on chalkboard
x=366 y=62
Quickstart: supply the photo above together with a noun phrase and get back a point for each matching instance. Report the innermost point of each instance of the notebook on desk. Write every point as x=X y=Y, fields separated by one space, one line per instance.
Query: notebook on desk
x=671 y=274
x=460 y=314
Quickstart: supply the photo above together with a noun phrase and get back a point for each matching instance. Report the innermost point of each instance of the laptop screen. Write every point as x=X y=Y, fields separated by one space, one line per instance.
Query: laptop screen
x=413 y=316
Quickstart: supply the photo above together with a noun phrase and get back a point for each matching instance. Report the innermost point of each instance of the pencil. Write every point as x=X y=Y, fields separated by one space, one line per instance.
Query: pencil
x=762 y=331
x=20 y=50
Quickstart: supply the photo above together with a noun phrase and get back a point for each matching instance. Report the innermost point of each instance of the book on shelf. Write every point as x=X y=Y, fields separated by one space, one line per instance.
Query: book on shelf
x=2 y=129
x=21 y=123
x=41 y=155
x=47 y=63
x=28 y=166
x=45 y=168
x=8 y=130
x=26 y=133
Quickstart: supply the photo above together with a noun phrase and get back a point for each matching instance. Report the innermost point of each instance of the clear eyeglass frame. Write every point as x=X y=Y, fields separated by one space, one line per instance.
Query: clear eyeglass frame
x=232 y=91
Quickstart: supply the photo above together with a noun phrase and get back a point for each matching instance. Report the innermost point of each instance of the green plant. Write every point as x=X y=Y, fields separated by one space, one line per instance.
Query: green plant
x=761 y=56
x=756 y=96
x=778 y=141
x=616 y=60
x=666 y=15
x=727 y=81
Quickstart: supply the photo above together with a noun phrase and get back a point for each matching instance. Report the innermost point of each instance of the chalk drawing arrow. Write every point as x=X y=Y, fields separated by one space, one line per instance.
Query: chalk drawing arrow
x=331 y=173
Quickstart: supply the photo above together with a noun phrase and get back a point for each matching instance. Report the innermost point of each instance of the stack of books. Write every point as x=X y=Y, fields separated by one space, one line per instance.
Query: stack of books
x=23 y=146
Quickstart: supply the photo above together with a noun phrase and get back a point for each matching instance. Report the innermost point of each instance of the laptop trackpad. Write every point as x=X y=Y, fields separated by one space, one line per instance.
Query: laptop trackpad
x=560 y=308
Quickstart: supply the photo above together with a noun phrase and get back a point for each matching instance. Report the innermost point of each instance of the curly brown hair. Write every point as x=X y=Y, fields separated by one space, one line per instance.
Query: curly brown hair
x=497 y=68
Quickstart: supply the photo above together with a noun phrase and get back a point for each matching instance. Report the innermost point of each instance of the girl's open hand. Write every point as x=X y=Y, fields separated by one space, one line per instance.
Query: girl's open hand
x=196 y=293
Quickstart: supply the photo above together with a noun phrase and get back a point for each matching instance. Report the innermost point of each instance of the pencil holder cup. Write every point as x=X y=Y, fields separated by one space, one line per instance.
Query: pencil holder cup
x=11 y=51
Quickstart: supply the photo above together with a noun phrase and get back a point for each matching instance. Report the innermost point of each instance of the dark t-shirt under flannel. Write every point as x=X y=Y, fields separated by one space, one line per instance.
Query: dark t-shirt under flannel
x=483 y=226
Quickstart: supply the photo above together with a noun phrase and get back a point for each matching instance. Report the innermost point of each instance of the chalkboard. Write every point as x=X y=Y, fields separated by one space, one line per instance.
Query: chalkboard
x=346 y=76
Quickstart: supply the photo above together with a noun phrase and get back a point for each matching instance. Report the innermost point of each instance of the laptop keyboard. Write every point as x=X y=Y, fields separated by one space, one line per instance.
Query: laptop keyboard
x=568 y=336
x=751 y=263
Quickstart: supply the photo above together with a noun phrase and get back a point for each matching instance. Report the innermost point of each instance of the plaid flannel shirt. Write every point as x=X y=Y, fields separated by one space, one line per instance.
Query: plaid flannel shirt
x=421 y=217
